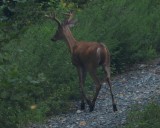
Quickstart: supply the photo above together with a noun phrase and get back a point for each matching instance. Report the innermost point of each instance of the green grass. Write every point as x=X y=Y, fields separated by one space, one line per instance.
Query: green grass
x=149 y=117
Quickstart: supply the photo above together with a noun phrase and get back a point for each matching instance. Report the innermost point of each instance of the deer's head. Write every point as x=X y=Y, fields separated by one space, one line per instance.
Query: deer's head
x=58 y=35
x=68 y=22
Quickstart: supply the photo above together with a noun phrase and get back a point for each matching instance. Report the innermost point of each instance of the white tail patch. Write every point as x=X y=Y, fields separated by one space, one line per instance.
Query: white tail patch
x=103 y=45
x=99 y=54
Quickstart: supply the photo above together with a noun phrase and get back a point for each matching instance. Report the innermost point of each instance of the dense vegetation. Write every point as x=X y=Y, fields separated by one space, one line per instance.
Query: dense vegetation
x=37 y=78
x=149 y=117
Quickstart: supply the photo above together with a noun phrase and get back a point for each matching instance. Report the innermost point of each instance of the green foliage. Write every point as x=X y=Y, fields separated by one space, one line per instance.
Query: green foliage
x=130 y=29
x=37 y=78
x=33 y=74
x=149 y=117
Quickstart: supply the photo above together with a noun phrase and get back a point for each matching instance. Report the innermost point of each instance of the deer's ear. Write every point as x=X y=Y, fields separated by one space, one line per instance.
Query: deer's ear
x=72 y=23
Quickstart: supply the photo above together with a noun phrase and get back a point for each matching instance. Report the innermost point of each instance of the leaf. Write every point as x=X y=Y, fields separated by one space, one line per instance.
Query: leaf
x=33 y=106
x=82 y=123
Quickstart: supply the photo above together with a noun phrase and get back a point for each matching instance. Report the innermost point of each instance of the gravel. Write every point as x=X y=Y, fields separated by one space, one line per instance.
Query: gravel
x=135 y=87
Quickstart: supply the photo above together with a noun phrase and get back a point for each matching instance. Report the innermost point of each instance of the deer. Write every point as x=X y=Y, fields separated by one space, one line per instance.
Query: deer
x=86 y=57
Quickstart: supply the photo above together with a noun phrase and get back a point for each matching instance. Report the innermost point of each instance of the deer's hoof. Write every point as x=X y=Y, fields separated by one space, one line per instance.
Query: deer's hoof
x=91 y=107
x=82 y=106
x=114 y=107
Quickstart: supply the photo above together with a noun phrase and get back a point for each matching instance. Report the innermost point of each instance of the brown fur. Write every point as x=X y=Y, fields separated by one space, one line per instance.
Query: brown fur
x=86 y=56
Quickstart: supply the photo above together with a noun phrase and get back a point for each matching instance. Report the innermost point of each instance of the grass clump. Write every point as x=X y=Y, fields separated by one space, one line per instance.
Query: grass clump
x=149 y=117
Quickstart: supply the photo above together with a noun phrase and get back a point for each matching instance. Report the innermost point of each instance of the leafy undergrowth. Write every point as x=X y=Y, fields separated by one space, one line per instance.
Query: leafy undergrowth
x=149 y=117
x=37 y=78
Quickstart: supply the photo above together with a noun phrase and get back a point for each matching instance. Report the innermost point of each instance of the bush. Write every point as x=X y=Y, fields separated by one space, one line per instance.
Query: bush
x=149 y=117
x=33 y=84
x=130 y=29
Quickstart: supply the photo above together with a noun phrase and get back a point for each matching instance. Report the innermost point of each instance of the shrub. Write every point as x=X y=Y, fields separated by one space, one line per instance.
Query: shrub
x=149 y=117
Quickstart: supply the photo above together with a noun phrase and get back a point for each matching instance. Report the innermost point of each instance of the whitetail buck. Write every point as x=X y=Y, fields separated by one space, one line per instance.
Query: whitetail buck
x=87 y=57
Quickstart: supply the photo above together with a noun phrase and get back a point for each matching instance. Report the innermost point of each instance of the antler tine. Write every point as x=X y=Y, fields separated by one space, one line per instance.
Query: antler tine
x=70 y=16
x=53 y=17
x=56 y=19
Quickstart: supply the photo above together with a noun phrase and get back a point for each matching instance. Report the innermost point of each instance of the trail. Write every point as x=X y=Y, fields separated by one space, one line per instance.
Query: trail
x=134 y=87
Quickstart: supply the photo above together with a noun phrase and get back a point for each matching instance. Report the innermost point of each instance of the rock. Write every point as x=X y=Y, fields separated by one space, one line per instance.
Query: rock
x=82 y=123
x=157 y=71
x=142 y=66
x=123 y=80
x=63 y=120
x=93 y=124
x=78 y=111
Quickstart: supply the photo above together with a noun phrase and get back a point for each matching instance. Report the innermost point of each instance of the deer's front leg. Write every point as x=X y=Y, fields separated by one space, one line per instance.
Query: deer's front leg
x=82 y=76
x=98 y=87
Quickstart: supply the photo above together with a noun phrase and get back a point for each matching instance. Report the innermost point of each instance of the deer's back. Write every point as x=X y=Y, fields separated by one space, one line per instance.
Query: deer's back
x=93 y=54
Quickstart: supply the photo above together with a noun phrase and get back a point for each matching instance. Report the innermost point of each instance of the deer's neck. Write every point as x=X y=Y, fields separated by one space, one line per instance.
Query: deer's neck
x=70 y=40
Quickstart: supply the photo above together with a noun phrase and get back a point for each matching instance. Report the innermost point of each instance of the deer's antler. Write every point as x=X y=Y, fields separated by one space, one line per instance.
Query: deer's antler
x=69 y=15
x=53 y=17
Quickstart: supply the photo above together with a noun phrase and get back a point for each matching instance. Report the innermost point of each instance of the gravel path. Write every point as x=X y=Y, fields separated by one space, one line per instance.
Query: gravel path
x=134 y=87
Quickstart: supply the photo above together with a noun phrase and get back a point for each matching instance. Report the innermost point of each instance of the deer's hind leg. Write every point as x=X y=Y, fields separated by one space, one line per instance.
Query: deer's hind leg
x=107 y=73
x=98 y=87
